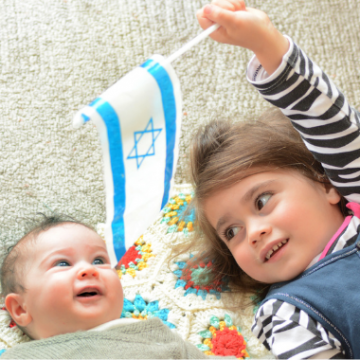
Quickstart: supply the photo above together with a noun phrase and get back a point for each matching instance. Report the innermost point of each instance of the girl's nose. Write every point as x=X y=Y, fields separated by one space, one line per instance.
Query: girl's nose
x=257 y=231
x=88 y=271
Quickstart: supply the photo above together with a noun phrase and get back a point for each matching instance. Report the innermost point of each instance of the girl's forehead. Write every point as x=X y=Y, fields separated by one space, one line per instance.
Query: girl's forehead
x=243 y=189
x=247 y=178
x=250 y=176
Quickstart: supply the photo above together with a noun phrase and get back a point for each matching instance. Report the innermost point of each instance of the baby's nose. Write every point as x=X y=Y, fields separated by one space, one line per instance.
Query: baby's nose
x=89 y=271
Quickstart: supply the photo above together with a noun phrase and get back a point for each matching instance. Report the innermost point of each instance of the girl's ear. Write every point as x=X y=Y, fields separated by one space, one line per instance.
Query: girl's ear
x=332 y=195
x=14 y=304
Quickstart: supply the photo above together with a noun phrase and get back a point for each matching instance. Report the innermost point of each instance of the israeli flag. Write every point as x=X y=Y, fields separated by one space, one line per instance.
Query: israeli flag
x=138 y=120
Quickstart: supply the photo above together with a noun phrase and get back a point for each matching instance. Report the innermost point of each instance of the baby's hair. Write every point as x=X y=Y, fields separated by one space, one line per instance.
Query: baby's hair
x=224 y=153
x=12 y=264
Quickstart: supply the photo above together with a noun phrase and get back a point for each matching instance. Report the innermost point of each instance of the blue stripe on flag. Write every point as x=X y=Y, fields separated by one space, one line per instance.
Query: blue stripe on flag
x=169 y=105
x=112 y=123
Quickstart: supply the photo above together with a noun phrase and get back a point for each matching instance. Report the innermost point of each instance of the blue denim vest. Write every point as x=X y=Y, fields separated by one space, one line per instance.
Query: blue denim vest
x=329 y=291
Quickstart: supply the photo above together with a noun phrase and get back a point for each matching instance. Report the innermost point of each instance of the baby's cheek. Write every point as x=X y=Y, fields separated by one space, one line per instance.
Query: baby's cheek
x=115 y=293
x=116 y=288
x=57 y=290
x=49 y=299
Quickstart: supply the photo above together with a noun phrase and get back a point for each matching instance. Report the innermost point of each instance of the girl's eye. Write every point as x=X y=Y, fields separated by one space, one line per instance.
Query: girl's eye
x=231 y=232
x=98 y=261
x=261 y=201
x=62 y=263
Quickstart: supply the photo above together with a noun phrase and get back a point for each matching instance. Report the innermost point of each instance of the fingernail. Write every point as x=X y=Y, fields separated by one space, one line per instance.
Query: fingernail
x=207 y=9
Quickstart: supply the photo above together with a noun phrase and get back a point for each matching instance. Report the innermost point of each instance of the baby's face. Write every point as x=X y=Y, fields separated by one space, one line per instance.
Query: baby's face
x=70 y=283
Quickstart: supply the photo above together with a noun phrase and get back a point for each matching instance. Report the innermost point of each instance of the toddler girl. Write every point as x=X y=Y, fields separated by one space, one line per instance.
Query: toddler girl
x=273 y=208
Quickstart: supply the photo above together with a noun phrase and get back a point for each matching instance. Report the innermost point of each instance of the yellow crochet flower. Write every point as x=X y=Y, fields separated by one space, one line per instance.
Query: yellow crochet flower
x=177 y=215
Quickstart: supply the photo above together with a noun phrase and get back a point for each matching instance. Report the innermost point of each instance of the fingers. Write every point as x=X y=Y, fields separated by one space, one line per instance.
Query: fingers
x=232 y=5
x=220 y=12
x=224 y=4
x=218 y=15
x=203 y=20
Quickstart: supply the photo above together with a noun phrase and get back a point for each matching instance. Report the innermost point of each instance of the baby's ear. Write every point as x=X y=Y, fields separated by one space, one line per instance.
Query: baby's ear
x=17 y=309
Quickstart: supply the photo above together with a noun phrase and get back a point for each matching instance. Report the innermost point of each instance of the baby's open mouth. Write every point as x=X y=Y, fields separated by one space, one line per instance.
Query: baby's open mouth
x=89 y=293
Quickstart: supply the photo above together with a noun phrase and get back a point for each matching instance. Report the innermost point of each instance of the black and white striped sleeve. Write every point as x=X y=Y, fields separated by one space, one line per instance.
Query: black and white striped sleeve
x=291 y=333
x=327 y=124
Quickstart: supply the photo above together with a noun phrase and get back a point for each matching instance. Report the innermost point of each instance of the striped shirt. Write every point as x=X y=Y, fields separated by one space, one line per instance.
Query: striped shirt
x=329 y=128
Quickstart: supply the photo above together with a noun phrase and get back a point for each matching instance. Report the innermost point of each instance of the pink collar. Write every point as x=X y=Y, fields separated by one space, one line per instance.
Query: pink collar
x=355 y=208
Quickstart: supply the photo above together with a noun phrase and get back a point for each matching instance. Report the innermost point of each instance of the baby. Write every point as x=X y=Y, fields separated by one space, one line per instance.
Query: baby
x=58 y=284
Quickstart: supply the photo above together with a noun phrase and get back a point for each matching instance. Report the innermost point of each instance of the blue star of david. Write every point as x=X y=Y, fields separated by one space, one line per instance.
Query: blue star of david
x=149 y=129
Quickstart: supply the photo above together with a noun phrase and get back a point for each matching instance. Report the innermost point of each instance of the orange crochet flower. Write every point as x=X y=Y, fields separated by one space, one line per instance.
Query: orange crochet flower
x=228 y=343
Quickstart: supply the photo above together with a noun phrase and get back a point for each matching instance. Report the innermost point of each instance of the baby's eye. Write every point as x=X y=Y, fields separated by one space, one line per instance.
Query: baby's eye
x=261 y=201
x=98 y=261
x=231 y=232
x=62 y=263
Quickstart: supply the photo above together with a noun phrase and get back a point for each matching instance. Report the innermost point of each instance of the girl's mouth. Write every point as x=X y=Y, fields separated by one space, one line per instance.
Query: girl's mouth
x=275 y=248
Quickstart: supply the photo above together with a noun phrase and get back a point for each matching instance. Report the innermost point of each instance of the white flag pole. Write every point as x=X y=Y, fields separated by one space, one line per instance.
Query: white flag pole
x=192 y=43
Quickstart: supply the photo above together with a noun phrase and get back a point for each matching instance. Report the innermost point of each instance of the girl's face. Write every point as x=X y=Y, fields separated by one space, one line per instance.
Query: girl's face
x=275 y=222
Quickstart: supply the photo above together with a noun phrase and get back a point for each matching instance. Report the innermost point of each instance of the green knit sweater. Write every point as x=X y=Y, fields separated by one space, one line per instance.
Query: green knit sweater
x=149 y=339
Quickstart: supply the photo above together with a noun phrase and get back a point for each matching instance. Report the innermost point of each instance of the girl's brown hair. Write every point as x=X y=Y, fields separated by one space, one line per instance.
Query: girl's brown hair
x=223 y=154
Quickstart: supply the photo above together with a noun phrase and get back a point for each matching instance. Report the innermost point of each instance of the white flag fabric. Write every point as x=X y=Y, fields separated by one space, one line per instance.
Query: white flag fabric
x=138 y=120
